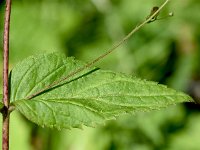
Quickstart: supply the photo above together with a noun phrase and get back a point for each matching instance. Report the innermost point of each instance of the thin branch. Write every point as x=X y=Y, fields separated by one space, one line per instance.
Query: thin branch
x=5 y=127
x=149 y=19
x=6 y=53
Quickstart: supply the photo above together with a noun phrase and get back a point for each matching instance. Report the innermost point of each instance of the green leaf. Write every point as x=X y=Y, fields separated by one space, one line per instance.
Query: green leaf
x=1 y=103
x=83 y=99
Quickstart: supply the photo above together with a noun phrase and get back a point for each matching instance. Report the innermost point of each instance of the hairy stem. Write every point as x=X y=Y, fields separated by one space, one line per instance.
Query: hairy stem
x=5 y=127
x=149 y=19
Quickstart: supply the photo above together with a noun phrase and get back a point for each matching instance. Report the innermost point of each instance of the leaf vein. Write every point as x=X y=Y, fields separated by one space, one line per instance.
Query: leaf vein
x=78 y=105
x=54 y=116
x=110 y=82
x=60 y=67
x=22 y=77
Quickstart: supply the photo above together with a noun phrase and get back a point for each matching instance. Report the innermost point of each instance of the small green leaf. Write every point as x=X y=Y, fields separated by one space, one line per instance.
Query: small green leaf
x=83 y=99
x=1 y=103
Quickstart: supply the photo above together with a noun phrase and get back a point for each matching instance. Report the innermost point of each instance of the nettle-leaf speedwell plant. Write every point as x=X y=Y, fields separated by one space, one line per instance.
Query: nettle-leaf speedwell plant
x=58 y=92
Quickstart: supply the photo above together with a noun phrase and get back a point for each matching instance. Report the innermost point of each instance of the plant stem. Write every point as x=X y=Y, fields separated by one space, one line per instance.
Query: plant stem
x=5 y=127
x=134 y=30
x=5 y=131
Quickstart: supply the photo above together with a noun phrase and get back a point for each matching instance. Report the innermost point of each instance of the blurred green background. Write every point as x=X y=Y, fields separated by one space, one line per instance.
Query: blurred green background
x=167 y=51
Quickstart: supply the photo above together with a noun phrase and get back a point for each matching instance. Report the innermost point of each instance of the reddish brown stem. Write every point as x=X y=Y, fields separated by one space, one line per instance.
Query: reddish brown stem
x=5 y=127
x=5 y=131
